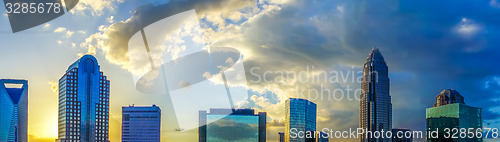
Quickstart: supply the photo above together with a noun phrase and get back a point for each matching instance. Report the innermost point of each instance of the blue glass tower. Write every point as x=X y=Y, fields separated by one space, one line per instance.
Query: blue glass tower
x=141 y=123
x=13 y=111
x=375 y=111
x=300 y=115
x=83 y=102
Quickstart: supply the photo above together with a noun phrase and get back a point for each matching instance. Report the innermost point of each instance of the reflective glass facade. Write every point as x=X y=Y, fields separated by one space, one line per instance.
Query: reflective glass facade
x=375 y=110
x=301 y=115
x=457 y=115
x=83 y=103
x=13 y=111
x=141 y=123
x=240 y=126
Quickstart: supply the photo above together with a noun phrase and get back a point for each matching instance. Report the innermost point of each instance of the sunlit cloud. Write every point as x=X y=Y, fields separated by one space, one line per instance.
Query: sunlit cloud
x=95 y=7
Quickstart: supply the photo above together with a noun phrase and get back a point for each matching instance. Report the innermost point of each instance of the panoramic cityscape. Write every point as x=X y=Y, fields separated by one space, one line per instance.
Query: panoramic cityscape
x=84 y=98
x=249 y=71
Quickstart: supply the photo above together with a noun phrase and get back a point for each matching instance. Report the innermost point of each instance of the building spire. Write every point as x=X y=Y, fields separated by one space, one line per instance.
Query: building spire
x=375 y=56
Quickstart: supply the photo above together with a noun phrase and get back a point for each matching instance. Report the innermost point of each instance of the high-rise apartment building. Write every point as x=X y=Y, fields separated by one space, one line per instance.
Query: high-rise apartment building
x=450 y=112
x=300 y=116
x=141 y=123
x=375 y=111
x=13 y=110
x=239 y=125
x=83 y=103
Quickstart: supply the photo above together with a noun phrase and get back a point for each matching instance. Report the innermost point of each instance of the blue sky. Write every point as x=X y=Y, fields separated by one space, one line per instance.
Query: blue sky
x=428 y=45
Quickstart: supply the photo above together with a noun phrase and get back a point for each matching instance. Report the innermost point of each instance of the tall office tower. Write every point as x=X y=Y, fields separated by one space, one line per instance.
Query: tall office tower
x=240 y=125
x=300 y=115
x=454 y=114
x=141 y=123
x=402 y=135
x=83 y=102
x=13 y=110
x=375 y=110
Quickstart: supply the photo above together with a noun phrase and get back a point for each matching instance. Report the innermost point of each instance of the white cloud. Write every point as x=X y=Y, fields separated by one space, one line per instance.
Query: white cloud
x=81 y=32
x=60 y=29
x=46 y=26
x=494 y=3
x=340 y=8
x=95 y=7
x=467 y=28
x=110 y=19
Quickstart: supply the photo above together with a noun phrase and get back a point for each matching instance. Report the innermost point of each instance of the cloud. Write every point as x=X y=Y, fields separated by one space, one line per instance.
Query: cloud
x=116 y=35
x=54 y=86
x=67 y=32
x=467 y=28
x=46 y=26
x=95 y=7
x=110 y=19
x=60 y=29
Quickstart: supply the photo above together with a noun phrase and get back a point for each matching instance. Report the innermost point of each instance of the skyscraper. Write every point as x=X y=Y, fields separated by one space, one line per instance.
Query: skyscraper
x=241 y=125
x=141 y=123
x=375 y=110
x=83 y=102
x=13 y=111
x=300 y=115
x=450 y=112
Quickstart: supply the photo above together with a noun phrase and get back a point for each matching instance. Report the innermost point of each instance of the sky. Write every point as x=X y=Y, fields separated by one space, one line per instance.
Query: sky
x=428 y=45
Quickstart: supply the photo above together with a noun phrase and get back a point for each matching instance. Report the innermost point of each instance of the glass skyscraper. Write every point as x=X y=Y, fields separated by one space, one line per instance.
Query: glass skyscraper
x=375 y=110
x=141 y=123
x=450 y=111
x=241 y=125
x=13 y=110
x=301 y=115
x=83 y=103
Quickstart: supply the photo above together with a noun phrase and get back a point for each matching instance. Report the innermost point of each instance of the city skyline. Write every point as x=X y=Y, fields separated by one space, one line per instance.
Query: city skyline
x=429 y=45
